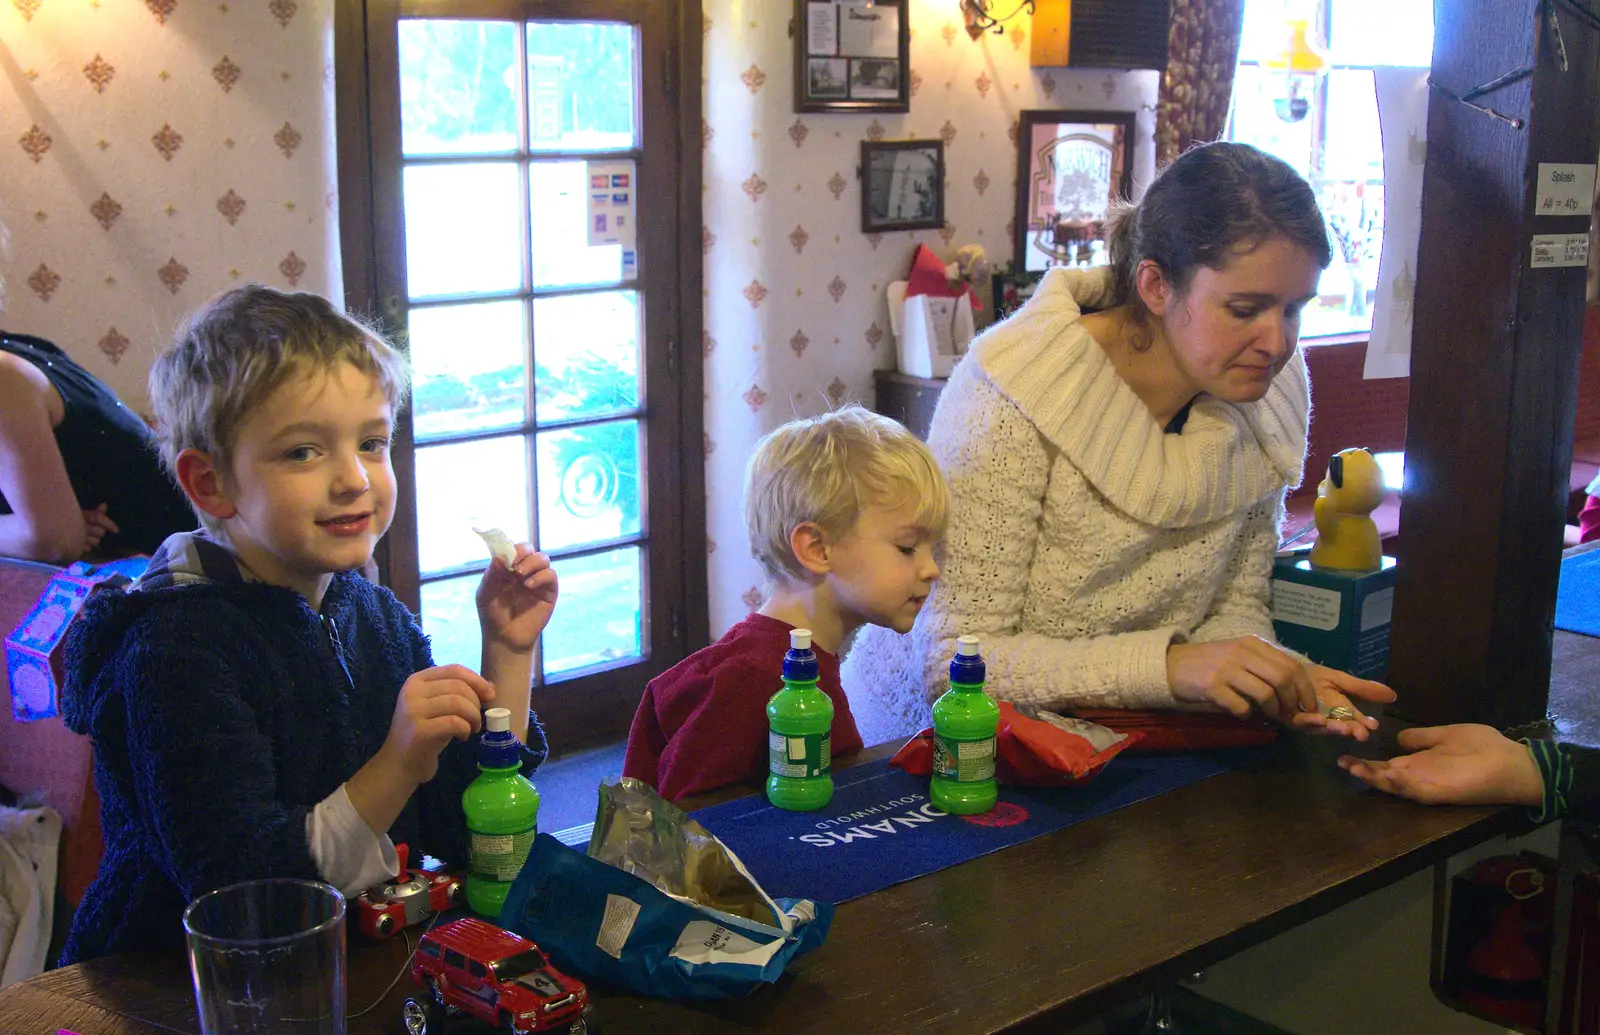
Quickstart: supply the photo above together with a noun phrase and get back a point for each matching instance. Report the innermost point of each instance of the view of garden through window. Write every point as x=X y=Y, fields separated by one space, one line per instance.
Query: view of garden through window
x=1337 y=145
x=525 y=338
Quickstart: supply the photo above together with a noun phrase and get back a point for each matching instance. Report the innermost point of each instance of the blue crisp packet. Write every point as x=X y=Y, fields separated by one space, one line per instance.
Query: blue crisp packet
x=602 y=923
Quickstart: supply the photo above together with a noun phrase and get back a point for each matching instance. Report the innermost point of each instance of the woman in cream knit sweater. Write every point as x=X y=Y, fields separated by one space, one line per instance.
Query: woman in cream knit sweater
x=1118 y=475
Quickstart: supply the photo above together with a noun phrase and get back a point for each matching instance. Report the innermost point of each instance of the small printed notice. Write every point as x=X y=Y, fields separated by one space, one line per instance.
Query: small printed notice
x=1305 y=605
x=702 y=941
x=1564 y=189
x=616 y=925
x=822 y=29
x=611 y=210
x=1551 y=251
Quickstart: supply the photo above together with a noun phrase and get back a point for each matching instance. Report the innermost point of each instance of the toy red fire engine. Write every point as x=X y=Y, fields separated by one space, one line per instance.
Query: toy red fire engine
x=410 y=898
x=471 y=967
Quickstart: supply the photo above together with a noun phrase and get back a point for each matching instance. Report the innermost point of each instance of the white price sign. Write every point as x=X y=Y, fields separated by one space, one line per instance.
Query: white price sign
x=1564 y=189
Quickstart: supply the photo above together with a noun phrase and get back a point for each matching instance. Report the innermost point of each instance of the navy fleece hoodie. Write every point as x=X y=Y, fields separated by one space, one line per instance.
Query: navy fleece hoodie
x=222 y=711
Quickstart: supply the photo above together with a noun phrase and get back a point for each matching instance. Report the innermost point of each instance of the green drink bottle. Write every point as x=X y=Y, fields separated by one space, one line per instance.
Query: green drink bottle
x=799 y=732
x=502 y=809
x=964 y=724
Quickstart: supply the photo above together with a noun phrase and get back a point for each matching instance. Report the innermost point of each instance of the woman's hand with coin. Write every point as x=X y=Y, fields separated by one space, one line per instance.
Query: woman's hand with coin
x=1337 y=714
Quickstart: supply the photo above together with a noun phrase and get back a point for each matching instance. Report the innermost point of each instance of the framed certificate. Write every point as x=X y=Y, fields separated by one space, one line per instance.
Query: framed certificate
x=852 y=56
x=1072 y=166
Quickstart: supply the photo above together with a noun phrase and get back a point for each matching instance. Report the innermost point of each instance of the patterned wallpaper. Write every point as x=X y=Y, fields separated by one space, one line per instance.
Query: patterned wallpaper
x=155 y=152
x=795 y=316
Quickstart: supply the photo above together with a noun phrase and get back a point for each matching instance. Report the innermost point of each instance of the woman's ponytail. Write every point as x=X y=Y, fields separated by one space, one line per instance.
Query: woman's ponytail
x=1122 y=246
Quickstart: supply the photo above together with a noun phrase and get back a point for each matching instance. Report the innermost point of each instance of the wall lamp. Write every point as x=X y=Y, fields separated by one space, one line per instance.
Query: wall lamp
x=980 y=16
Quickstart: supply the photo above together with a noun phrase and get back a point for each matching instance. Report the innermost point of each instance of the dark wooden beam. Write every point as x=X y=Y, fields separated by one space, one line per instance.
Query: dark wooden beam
x=1494 y=367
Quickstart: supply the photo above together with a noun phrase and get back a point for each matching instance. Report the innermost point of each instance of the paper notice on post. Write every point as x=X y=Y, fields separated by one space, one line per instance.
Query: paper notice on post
x=1564 y=189
x=1403 y=120
x=1552 y=251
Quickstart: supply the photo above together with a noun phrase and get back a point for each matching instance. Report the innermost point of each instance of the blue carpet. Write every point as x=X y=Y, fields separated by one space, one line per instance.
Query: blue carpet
x=880 y=828
x=569 y=785
x=1578 y=596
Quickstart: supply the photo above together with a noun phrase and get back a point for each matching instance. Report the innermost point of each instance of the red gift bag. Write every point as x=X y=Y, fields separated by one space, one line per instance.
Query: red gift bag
x=1165 y=731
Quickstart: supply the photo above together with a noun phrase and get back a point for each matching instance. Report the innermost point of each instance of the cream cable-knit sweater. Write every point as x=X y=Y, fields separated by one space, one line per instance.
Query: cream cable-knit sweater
x=1084 y=540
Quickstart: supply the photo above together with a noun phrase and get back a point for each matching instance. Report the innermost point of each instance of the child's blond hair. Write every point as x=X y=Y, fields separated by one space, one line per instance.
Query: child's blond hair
x=826 y=469
x=232 y=353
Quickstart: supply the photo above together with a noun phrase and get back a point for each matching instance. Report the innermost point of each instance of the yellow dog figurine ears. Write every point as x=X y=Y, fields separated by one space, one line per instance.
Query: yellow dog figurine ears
x=1347 y=537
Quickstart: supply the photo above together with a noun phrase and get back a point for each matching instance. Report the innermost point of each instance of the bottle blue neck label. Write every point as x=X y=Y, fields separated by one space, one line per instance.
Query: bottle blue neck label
x=967 y=670
x=500 y=750
x=800 y=666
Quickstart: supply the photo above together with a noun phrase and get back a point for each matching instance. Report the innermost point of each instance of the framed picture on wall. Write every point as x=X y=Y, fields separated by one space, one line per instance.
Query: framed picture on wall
x=902 y=185
x=1072 y=166
x=852 y=56
x=1012 y=291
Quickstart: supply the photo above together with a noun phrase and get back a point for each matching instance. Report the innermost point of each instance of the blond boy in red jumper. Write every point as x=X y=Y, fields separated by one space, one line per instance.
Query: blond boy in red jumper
x=843 y=511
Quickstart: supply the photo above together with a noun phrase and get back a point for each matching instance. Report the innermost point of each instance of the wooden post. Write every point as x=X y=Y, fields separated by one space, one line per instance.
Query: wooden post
x=1494 y=365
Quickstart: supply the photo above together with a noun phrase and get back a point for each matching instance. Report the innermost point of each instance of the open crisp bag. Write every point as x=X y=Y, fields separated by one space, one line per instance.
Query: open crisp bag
x=658 y=906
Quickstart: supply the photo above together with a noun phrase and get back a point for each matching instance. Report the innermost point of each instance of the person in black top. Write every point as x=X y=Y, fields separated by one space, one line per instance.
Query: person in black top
x=79 y=472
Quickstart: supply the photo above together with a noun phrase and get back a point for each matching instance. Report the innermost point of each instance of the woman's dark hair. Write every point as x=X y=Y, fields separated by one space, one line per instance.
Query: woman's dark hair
x=1213 y=199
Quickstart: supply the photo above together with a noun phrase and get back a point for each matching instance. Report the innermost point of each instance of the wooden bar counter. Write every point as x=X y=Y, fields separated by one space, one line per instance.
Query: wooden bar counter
x=1031 y=938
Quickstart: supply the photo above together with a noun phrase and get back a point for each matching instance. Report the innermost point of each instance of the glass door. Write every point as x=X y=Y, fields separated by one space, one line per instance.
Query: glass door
x=541 y=317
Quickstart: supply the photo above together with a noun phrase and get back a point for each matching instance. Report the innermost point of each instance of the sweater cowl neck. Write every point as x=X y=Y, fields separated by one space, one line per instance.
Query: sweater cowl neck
x=1229 y=456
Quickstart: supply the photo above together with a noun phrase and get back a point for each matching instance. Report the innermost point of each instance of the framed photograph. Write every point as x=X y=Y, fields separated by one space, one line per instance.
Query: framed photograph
x=1072 y=166
x=852 y=56
x=902 y=185
x=1012 y=291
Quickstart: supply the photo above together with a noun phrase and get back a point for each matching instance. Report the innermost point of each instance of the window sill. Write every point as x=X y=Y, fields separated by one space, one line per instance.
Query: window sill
x=1352 y=338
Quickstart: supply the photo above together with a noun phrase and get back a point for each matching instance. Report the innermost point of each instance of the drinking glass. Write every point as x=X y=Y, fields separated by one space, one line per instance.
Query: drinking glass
x=268 y=958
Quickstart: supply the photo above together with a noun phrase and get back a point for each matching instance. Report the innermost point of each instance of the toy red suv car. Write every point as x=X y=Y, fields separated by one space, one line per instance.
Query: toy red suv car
x=410 y=898
x=472 y=967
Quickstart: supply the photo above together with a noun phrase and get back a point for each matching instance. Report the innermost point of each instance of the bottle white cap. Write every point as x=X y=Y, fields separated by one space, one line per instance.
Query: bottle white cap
x=799 y=639
x=967 y=646
x=497 y=720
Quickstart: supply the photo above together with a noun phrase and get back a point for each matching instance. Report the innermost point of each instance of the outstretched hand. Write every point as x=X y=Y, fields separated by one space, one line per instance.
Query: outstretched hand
x=1464 y=764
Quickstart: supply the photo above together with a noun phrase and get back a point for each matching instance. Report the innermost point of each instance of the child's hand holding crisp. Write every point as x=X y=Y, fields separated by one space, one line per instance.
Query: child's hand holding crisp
x=435 y=706
x=515 y=602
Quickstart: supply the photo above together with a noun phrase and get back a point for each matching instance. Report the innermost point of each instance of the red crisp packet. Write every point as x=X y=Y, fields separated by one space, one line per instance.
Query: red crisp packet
x=1169 y=731
x=1029 y=752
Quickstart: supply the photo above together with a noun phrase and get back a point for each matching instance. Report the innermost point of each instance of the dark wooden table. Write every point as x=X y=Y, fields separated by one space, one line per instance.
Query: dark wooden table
x=1030 y=938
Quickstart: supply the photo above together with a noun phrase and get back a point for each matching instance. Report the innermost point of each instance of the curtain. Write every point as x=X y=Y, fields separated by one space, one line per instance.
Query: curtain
x=1202 y=51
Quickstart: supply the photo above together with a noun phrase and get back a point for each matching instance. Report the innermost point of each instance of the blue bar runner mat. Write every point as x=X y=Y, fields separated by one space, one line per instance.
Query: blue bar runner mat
x=880 y=829
x=1578 y=595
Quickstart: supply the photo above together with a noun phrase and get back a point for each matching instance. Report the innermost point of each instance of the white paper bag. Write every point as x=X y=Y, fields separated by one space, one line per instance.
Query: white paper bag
x=931 y=333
